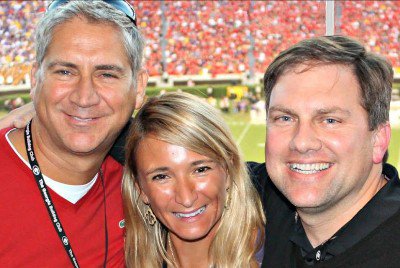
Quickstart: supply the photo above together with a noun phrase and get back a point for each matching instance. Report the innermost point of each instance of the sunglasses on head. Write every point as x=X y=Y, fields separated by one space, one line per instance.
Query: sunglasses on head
x=120 y=5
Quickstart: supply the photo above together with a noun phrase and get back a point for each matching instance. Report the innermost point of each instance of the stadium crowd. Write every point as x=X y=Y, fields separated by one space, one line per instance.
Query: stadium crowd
x=214 y=37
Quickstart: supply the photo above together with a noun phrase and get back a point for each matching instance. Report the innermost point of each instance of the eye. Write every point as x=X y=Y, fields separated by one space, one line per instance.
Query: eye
x=109 y=75
x=202 y=169
x=159 y=177
x=283 y=118
x=331 y=121
x=63 y=72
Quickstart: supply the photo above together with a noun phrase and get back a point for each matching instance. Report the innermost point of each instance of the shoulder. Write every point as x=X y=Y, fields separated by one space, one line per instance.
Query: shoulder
x=10 y=144
x=258 y=175
x=3 y=132
x=118 y=149
x=112 y=169
x=272 y=199
x=390 y=171
x=376 y=250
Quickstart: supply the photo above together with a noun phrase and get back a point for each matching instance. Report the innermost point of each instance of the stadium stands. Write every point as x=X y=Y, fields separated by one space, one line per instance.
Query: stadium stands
x=215 y=37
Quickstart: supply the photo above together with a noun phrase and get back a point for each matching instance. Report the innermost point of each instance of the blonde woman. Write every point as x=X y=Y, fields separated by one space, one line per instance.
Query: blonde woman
x=188 y=199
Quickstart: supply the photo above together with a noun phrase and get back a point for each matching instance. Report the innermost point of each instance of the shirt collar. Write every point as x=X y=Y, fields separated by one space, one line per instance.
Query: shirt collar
x=380 y=208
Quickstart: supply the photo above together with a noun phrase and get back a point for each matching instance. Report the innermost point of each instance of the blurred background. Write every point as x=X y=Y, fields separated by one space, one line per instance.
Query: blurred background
x=218 y=50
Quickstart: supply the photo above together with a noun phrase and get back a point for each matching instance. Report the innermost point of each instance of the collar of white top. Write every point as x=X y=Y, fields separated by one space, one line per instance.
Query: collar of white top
x=72 y=193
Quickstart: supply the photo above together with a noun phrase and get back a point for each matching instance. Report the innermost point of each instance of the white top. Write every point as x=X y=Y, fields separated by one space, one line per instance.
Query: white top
x=72 y=193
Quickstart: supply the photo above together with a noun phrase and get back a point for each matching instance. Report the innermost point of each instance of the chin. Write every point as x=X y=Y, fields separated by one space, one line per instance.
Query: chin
x=82 y=148
x=304 y=199
x=193 y=237
x=197 y=233
x=83 y=142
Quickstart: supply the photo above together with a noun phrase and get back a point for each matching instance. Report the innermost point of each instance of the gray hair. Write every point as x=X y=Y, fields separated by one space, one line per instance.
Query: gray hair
x=96 y=12
x=374 y=73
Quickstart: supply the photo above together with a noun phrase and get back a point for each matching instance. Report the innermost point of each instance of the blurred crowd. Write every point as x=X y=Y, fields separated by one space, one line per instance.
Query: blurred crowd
x=214 y=37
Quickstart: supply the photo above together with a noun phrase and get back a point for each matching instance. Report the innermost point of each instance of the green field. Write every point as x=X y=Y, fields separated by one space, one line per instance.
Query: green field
x=251 y=138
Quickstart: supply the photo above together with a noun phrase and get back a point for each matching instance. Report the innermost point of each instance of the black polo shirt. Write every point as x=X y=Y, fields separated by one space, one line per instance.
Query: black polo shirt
x=286 y=242
x=380 y=208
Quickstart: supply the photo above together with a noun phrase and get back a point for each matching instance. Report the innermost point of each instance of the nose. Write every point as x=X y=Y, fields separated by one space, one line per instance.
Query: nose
x=305 y=138
x=185 y=193
x=85 y=93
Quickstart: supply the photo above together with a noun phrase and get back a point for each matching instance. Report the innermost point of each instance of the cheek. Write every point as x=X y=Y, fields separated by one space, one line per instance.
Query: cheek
x=153 y=193
x=43 y=100
x=120 y=101
x=346 y=144
x=275 y=143
x=209 y=188
x=159 y=196
x=52 y=92
x=214 y=190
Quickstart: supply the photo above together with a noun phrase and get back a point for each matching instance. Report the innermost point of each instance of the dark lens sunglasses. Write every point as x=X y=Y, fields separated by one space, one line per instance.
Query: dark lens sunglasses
x=121 y=5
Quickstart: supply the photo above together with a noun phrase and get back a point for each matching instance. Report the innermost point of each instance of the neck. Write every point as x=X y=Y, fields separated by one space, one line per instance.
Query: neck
x=189 y=253
x=321 y=225
x=60 y=165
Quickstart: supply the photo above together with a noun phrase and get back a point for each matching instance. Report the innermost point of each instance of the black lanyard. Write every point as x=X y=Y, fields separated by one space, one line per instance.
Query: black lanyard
x=49 y=203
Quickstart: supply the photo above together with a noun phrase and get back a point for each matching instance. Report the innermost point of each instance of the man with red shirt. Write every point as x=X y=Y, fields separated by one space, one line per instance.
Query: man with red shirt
x=60 y=193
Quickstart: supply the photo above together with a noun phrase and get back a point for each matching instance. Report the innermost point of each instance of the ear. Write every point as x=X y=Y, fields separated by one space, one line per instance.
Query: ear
x=142 y=195
x=141 y=84
x=34 y=80
x=228 y=180
x=381 y=142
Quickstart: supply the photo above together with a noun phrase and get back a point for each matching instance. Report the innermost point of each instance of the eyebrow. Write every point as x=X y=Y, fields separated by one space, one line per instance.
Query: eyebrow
x=158 y=169
x=333 y=110
x=322 y=111
x=205 y=161
x=61 y=63
x=279 y=108
x=163 y=169
x=104 y=67
x=110 y=67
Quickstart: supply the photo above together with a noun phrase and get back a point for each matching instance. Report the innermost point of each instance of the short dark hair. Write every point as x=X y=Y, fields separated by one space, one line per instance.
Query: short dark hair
x=373 y=72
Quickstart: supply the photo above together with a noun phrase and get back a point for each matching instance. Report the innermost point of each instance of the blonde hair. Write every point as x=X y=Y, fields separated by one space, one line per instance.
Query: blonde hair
x=188 y=121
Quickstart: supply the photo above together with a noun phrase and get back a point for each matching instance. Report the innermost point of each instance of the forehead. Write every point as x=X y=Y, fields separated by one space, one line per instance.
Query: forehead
x=80 y=37
x=320 y=84
x=151 y=149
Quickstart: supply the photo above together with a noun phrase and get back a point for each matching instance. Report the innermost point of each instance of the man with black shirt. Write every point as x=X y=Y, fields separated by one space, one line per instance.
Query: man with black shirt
x=331 y=201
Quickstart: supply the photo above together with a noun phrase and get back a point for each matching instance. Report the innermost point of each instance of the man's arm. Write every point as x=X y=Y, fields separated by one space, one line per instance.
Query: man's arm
x=19 y=117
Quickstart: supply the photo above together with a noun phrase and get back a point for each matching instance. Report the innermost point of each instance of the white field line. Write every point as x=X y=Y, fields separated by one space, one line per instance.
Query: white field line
x=243 y=133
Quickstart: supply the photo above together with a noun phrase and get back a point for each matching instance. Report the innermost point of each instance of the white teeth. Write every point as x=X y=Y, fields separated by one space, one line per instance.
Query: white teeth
x=82 y=119
x=188 y=215
x=309 y=168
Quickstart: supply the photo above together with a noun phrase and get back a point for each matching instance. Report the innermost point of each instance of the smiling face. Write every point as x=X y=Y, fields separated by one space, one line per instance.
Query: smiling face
x=185 y=190
x=319 y=149
x=86 y=92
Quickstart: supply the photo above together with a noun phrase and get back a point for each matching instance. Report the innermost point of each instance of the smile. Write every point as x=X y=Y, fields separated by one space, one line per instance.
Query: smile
x=82 y=119
x=193 y=214
x=309 y=168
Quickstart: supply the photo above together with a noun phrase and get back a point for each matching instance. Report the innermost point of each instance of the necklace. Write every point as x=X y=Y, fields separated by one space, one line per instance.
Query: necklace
x=172 y=250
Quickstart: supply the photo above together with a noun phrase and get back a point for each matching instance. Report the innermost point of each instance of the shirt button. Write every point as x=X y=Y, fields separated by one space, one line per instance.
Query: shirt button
x=318 y=255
